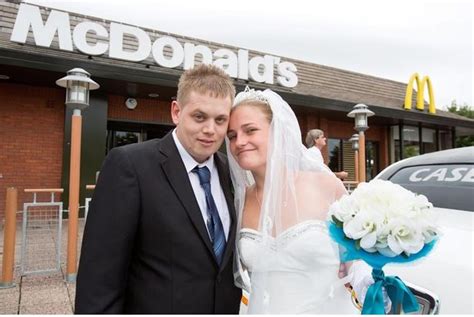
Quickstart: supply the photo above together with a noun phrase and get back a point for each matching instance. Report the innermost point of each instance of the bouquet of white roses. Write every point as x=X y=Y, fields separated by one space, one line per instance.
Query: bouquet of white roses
x=382 y=222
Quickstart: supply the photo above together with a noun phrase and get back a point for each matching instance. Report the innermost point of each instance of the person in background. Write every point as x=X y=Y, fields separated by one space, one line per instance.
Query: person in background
x=315 y=141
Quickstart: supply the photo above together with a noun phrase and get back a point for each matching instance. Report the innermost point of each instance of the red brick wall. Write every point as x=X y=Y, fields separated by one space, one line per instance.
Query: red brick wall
x=31 y=139
x=147 y=110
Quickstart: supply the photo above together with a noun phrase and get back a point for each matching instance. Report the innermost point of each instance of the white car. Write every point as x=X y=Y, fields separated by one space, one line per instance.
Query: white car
x=446 y=276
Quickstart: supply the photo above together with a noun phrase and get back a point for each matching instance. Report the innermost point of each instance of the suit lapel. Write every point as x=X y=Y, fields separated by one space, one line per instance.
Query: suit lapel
x=226 y=185
x=175 y=171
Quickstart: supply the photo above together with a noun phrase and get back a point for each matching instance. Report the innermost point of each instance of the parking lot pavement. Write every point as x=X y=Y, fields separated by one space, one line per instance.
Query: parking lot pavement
x=39 y=293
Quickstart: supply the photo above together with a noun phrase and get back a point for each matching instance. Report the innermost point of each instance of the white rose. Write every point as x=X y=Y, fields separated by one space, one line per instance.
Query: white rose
x=382 y=244
x=343 y=209
x=364 y=226
x=404 y=237
x=430 y=233
x=421 y=202
x=429 y=229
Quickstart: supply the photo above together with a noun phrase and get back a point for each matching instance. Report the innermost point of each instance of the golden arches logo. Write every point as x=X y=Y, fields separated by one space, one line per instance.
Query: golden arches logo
x=420 y=85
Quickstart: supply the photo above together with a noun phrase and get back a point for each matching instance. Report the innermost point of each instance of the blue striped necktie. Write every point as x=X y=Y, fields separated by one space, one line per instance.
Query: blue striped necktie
x=214 y=224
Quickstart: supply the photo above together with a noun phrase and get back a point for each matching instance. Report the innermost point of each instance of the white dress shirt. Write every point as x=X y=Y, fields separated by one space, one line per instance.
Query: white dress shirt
x=216 y=189
x=316 y=154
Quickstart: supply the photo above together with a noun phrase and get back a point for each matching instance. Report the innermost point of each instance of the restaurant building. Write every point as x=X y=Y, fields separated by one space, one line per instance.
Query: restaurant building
x=138 y=71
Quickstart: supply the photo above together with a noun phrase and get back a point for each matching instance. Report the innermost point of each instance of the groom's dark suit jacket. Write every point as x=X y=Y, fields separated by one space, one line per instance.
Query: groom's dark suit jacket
x=145 y=247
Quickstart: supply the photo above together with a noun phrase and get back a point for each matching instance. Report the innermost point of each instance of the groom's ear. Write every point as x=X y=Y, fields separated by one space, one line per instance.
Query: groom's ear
x=175 y=111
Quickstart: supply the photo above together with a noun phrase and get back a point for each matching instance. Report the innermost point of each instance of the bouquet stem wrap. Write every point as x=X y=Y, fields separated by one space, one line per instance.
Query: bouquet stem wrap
x=397 y=291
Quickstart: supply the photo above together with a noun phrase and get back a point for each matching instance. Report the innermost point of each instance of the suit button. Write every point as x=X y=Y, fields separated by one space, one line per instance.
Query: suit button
x=219 y=279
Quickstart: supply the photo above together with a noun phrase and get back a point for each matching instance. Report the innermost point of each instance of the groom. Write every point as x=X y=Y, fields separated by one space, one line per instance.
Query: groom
x=160 y=234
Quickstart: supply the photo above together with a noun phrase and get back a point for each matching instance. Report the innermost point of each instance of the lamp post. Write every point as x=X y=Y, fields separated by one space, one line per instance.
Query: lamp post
x=77 y=84
x=360 y=113
x=355 y=146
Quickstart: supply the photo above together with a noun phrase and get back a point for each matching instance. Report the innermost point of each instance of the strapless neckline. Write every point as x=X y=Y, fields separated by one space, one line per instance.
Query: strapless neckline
x=289 y=232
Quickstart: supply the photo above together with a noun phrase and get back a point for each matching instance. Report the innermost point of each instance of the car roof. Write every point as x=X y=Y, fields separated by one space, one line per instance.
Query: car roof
x=458 y=155
x=463 y=155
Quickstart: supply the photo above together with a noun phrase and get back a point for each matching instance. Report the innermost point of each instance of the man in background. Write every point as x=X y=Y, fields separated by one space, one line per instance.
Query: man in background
x=315 y=141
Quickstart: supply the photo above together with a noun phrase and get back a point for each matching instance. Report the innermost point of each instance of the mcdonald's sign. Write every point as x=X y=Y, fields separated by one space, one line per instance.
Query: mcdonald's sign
x=420 y=85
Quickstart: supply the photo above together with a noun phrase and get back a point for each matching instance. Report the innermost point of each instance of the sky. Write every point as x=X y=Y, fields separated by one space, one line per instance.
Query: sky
x=388 y=39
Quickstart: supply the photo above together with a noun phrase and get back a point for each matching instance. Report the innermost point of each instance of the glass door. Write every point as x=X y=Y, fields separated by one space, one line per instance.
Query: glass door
x=372 y=159
x=121 y=133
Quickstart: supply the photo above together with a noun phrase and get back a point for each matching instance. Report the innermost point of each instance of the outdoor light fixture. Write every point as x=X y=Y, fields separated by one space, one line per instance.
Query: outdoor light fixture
x=355 y=146
x=360 y=113
x=131 y=103
x=355 y=142
x=77 y=84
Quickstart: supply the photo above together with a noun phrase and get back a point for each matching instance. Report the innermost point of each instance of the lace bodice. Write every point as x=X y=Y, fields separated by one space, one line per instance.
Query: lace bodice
x=296 y=274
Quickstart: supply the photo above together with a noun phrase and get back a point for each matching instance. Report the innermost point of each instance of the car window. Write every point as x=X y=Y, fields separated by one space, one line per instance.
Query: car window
x=446 y=186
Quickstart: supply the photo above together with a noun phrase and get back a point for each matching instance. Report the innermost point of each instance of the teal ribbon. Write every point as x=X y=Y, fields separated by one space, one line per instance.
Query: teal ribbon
x=397 y=291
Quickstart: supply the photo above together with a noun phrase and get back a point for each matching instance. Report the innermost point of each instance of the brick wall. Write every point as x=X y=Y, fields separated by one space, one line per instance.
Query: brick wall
x=147 y=110
x=31 y=139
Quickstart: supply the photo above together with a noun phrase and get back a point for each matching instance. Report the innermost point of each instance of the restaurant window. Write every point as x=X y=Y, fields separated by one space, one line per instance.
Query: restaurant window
x=411 y=141
x=348 y=160
x=394 y=144
x=429 y=140
x=335 y=155
x=445 y=140
x=121 y=133
x=372 y=159
x=120 y=138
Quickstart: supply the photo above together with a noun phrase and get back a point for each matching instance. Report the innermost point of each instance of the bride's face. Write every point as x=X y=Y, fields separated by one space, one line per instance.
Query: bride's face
x=248 y=135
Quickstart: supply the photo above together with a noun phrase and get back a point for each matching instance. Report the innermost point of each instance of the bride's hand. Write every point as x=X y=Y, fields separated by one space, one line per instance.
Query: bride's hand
x=344 y=269
x=362 y=280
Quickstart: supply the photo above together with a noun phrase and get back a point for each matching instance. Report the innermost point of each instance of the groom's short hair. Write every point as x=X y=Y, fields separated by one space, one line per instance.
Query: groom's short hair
x=205 y=79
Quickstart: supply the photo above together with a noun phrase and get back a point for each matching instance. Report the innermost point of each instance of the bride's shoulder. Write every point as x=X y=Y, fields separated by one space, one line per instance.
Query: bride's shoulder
x=321 y=181
x=311 y=177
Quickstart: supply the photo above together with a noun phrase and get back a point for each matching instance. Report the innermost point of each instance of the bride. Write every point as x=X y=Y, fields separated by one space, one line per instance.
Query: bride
x=285 y=258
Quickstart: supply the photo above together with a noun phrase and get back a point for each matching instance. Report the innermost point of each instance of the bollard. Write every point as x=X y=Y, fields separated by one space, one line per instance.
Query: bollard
x=11 y=208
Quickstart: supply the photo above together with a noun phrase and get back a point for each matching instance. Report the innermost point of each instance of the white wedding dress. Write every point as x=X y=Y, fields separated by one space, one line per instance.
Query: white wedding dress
x=299 y=275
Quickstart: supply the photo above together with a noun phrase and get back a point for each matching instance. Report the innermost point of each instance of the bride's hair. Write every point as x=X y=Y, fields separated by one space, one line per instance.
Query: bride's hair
x=263 y=106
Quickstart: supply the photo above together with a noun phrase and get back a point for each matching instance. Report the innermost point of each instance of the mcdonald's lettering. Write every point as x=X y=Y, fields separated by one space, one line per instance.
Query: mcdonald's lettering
x=420 y=85
x=261 y=69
